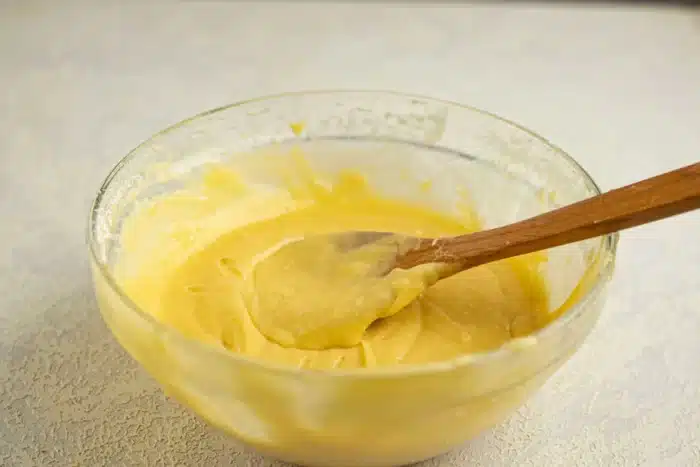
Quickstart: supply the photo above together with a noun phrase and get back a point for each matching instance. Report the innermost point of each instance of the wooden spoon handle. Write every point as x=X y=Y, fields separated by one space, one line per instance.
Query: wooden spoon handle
x=652 y=199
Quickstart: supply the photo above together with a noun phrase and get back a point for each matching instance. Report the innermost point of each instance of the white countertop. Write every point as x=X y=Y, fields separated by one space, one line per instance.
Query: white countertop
x=80 y=85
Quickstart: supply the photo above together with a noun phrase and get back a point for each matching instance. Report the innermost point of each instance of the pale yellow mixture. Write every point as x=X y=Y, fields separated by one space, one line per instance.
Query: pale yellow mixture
x=199 y=260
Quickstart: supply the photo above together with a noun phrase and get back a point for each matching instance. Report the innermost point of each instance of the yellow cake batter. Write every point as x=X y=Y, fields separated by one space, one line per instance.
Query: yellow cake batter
x=199 y=260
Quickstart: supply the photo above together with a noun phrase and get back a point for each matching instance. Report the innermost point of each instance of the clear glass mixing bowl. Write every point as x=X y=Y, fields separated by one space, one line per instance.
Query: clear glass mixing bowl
x=364 y=417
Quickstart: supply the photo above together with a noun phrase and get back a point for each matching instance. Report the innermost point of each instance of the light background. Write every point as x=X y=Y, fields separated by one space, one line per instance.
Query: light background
x=82 y=83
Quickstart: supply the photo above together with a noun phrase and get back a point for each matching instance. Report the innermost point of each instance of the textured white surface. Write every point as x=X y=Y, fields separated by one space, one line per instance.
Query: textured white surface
x=81 y=84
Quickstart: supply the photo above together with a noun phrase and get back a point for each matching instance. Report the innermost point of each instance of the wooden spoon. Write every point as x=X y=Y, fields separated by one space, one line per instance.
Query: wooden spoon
x=643 y=202
x=323 y=275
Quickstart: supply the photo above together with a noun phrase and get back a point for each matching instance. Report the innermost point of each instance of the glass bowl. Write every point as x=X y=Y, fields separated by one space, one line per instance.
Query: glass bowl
x=369 y=417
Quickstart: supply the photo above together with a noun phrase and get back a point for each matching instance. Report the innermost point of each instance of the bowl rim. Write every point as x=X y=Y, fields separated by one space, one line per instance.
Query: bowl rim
x=605 y=252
